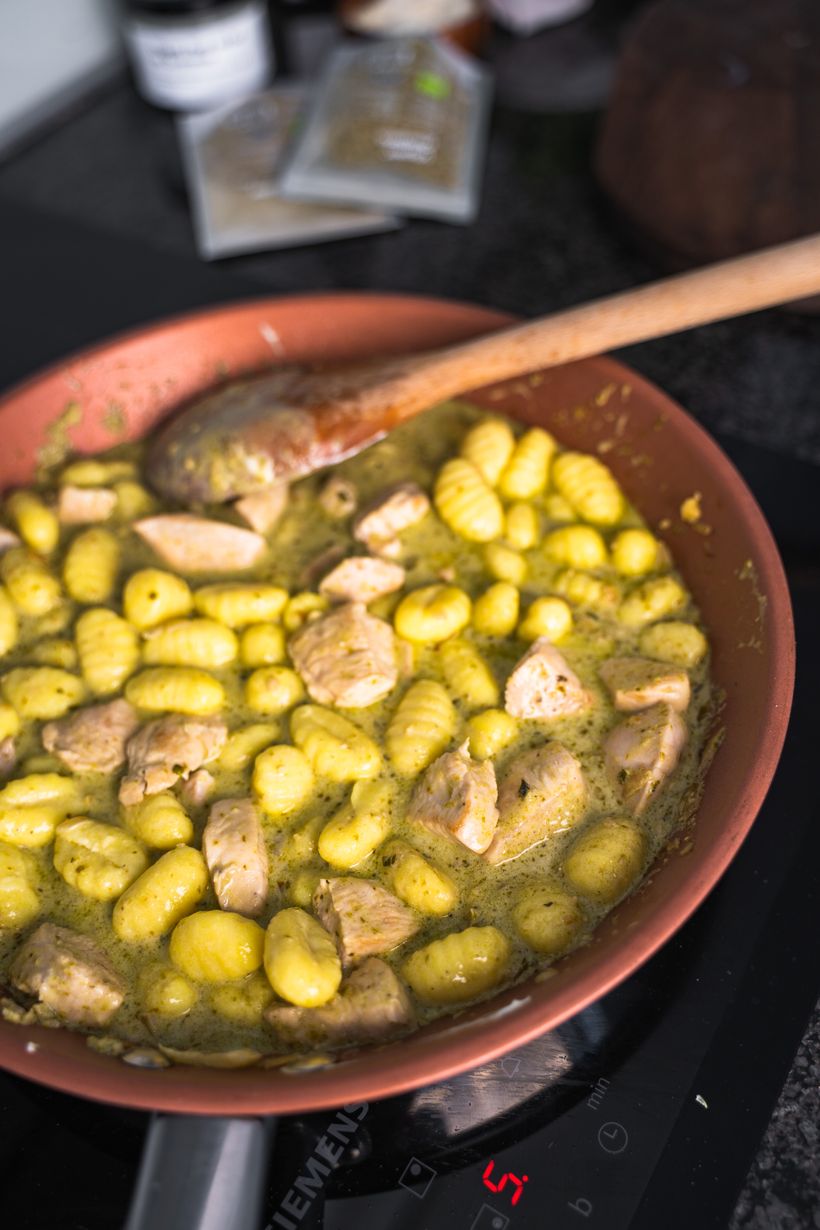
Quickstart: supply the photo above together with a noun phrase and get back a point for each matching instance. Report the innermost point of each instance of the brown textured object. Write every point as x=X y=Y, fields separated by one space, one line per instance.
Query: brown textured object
x=662 y=457
x=708 y=148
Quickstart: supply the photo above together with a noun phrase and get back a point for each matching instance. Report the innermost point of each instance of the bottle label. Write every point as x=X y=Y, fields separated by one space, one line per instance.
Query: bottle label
x=193 y=63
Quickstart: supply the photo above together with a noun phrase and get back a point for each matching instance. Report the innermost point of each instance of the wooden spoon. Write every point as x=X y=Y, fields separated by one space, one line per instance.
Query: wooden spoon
x=250 y=435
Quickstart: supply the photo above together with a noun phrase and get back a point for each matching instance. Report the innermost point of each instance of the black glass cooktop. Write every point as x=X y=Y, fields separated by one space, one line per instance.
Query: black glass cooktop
x=643 y=1111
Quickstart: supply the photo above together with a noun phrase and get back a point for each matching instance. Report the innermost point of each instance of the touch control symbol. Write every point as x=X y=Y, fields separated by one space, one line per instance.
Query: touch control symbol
x=489 y=1218
x=613 y=1137
x=416 y=1178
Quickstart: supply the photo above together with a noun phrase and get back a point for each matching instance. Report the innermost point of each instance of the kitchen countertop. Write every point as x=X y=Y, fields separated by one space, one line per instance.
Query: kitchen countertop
x=113 y=166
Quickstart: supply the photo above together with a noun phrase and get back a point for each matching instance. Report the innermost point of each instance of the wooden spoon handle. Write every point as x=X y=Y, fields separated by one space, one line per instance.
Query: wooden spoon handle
x=730 y=288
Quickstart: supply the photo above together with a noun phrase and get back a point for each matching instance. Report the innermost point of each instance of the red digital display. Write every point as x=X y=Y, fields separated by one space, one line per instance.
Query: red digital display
x=513 y=1179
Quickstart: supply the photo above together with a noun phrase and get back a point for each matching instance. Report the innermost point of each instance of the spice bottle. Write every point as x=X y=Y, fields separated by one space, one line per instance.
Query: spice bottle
x=190 y=55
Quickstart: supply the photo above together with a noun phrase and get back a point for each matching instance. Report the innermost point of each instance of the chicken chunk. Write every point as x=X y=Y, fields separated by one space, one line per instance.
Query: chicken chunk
x=92 y=740
x=543 y=686
x=167 y=749
x=637 y=683
x=387 y=516
x=543 y=793
x=642 y=751
x=198 y=544
x=457 y=797
x=82 y=505
x=346 y=658
x=364 y=918
x=361 y=579
x=68 y=973
x=8 y=756
x=264 y=508
x=234 y=847
x=371 y=1005
x=196 y=789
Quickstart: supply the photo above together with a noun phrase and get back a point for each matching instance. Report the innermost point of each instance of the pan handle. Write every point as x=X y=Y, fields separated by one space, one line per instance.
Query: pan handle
x=203 y=1173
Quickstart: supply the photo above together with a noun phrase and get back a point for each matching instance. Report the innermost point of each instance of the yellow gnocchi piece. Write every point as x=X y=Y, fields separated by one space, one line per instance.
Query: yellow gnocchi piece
x=99 y=860
x=635 y=552
x=460 y=966
x=652 y=601
x=29 y=826
x=466 y=503
x=152 y=596
x=282 y=779
x=547 y=919
x=108 y=649
x=580 y=546
x=42 y=691
x=606 y=860
x=33 y=589
x=175 y=689
x=9 y=720
x=421 y=728
x=334 y=746
x=302 y=608
x=431 y=614
x=94 y=472
x=490 y=732
x=521 y=528
x=273 y=689
x=19 y=899
x=674 y=641
x=302 y=887
x=166 y=992
x=165 y=892
x=467 y=674
x=241 y=603
x=91 y=565
x=582 y=589
x=488 y=446
x=550 y=617
x=301 y=960
x=504 y=564
x=133 y=500
x=527 y=472
x=495 y=612
x=160 y=821
x=9 y=630
x=243 y=1002
x=37 y=524
x=558 y=509
x=359 y=828
x=190 y=642
x=217 y=946
x=262 y=645
x=417 y=881
x=57 y=651
x=588 y=486
x=243 y=745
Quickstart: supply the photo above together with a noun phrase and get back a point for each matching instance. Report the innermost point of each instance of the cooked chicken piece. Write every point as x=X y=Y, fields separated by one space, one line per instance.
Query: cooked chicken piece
x=197 y=544
x=68 y=973
x=543 y=686
x=637 y=683
x=8 y=539
x=642 y=751
x=167 y=749
x=542 y=794
x=263 y=509
x=92 y=740
x=387 y=516
x=361 y=579
x=81 y=505
x=234 y=847
x=8 y=756
x=457 y=797
x=364 y=918
x=371 y=1005
x=346 y=658
x=196 y=789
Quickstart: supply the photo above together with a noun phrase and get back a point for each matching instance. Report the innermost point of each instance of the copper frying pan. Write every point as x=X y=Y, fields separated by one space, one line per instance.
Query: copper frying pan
x=659 y=454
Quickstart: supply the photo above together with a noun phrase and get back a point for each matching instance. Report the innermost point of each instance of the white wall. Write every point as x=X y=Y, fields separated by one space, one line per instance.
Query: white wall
x=50 y=52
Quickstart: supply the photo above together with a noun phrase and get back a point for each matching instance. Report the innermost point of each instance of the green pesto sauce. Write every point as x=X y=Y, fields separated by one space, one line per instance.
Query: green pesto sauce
x=305 y=532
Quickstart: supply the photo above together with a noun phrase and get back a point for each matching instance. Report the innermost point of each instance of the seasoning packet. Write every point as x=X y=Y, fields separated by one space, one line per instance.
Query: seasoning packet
x=396 y=123
x=232 y=158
